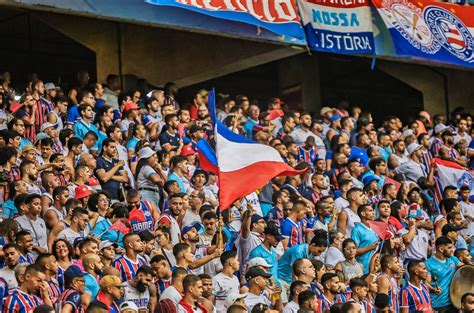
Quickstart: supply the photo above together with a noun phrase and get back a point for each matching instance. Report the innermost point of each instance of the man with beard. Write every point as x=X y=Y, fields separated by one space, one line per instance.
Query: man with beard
x=33 y=223
x=48 y=262
x=110 y=170
x=175 y=205
x=415 y=296
x=129 y=263
x=413 y=169
x=29 y=174
x=301 y=133
x=448 y=141
x=11 y=252
x=170 y=138
x=200 y=255
x=319 y=189
x=111 y=290
x=138 y=290
x=441 y=268
x=70 y=299
x=93 y=267
x=79 y=221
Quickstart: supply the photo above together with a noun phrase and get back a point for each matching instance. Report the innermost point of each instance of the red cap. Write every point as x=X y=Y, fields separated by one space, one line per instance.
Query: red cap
x=15 y=106
x=130 y=106
x=278 y=100
x=187 y=150
x=82 y=191
x=93 y=182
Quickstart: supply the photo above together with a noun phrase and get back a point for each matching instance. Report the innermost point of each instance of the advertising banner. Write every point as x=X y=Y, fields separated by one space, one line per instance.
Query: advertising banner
x=338 y=26
x=430 y=30
x=278 y=16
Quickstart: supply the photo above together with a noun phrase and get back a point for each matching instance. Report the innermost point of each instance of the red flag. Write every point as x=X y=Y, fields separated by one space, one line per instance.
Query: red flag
x=388 y=180
x=381 y=229
x=273 y=114
x=118 y=225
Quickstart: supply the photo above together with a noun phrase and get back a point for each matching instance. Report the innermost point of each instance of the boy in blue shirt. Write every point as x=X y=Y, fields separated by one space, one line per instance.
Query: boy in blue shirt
x=365 y=238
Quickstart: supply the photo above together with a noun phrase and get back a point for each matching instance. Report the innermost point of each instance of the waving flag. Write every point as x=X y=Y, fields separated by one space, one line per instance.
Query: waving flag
x=381 y=229
x=452 y=174
x=207 y=157
x=244 y=165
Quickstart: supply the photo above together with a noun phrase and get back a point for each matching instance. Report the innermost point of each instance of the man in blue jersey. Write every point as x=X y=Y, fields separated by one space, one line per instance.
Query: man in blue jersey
x=441 y=268
x=315 y=248
x=415 y=296
x=365 y=238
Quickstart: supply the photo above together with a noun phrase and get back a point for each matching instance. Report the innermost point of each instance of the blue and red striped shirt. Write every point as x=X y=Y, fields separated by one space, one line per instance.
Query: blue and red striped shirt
x=72 y=297
x=415 y=299
x=293 y=231
x=128 y=268
x=21 y=302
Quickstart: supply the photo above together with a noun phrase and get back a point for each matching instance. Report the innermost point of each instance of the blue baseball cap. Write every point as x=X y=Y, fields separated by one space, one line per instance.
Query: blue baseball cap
x=255 y=218
x=369 y=178
x=188 y=227
x=72 y=272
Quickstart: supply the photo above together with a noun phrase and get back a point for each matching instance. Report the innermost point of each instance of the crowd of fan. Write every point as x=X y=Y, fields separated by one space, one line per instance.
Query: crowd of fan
x=105 y=207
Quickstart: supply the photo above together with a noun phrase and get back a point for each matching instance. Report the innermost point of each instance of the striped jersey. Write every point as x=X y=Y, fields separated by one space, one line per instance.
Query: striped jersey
x=142 y=219
x=128 y=268
x=293 y=231
x=415 y=299
x=26 y=259
x=21 y=302
x=392 y=292
x=72 y=297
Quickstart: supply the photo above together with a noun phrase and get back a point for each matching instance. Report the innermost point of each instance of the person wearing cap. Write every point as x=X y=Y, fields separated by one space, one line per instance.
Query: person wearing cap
x=234 y=299
x=107 y=252
x=79 y=221
x=51 y=130
x=85 y=125
x=111 y=290
x=437 y=141
x=199 y=182
x=267 y=250
x=413 y=169
x=128 y=307
x=131 y=114
x=252 y=229
x=150 y=179
x=109 y=170
x=70 y=300
x=226 y=283
x=82 y=193
x=201 y=255
x=258 y=280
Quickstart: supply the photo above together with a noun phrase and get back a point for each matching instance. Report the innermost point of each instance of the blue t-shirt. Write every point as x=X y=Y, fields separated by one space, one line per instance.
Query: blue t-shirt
x=24 y=142
x=91 y=286
x=364 y=237
x=441 y=276
x=81 y=129
x=167 y=138
x=132 y=144
x=286 y=261
x=73 y=115
x=179 y=180
x=9 y=209
x=269 y=256
x=101 y=231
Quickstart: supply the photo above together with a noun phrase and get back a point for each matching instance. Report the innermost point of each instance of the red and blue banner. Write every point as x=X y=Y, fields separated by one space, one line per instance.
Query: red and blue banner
x=338 y=26
x=430 y=30
x=278 y=16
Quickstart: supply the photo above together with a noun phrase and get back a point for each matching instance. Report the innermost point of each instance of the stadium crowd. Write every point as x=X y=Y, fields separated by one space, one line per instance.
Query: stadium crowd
x=105 y=206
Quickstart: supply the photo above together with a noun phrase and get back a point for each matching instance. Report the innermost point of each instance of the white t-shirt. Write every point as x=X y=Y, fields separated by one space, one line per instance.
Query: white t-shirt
x=70 y=235
x=333 y=256
x=37 y=230
x=247 y=245
x=291 y=307
x=222 y=286
x=190 y=217
x=341 y=203
x=467 y=209
x=172 y=294
x=132 y=294
x=9 y=276
x=418 y=248
x=252 y=300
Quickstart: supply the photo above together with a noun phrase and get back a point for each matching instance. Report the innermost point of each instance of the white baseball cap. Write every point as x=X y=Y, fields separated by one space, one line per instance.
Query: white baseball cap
x=258 y=261
x=128 y=305
x=231 y=298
